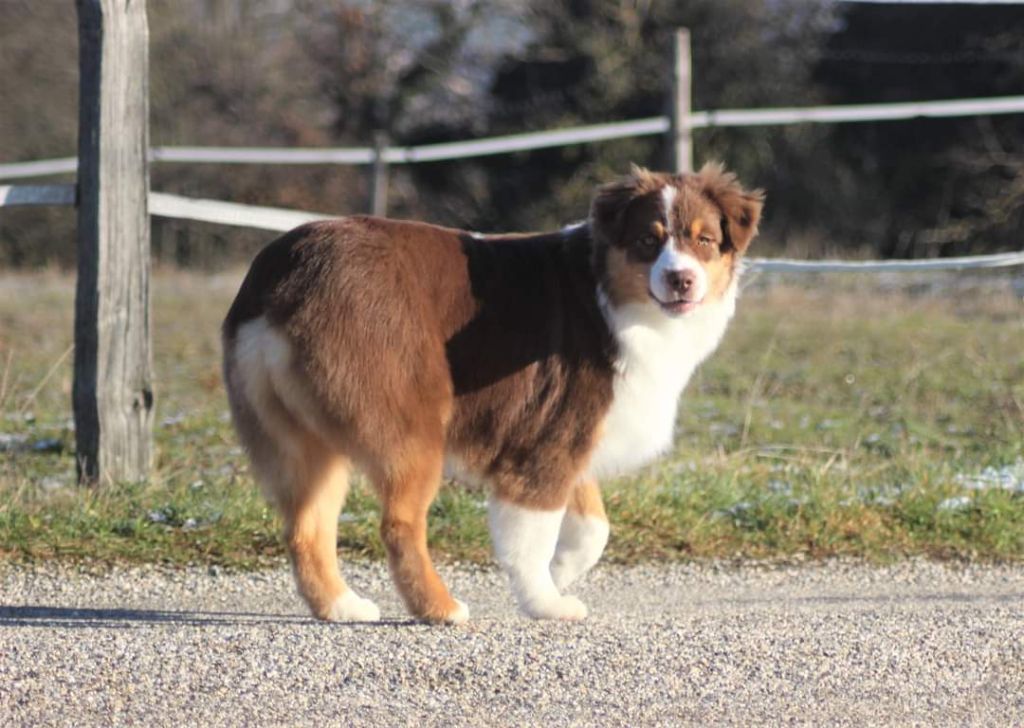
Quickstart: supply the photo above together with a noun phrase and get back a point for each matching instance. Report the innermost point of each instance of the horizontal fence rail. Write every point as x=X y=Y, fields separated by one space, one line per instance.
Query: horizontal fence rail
x=529 y=141
x=16 y=195
x=858 y=112
x=279 y=219
x=261 y=155
x=422 y=153
x=721 y=118
x=41 y=168
x=788 y=265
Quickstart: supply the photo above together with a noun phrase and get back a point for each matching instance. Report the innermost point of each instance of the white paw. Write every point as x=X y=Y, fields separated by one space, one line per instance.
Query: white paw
x=564 y=573
x=568 y=608
x=580 y=544
x=350 y=607
x=460 y=615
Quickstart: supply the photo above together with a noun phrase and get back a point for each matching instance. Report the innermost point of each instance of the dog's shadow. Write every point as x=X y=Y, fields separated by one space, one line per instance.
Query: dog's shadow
x=87 y=618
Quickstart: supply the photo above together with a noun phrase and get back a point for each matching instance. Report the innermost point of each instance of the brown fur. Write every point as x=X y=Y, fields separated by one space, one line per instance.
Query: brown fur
x=585 y=500
x=388 y=345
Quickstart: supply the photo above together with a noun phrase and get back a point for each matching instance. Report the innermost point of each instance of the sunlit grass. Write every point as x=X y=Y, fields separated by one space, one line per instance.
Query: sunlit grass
x=838 y=419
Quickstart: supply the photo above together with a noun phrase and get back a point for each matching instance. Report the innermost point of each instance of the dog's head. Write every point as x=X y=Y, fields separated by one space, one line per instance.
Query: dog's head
x=672 y=241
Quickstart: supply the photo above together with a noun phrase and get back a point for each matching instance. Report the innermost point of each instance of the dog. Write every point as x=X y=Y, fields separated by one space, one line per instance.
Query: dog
x=532 y=363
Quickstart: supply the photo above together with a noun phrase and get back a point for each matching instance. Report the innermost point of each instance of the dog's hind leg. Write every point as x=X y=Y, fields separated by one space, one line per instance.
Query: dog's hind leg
x=582 y=536
x=304 y=477
x=406 y=490
x=310 y=513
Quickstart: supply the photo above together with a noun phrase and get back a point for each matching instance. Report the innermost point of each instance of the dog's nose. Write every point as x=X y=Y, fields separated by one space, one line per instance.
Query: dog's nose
x=680 y=281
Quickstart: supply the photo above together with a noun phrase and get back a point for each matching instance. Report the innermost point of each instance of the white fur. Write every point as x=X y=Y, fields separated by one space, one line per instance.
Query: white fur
x=350 y=607
x=263 y=359
x=671 y=259
x=259 y=352
x=657 y=356
x=524 y=544
x=581 y=541
x=668 y=199
x=460 y=615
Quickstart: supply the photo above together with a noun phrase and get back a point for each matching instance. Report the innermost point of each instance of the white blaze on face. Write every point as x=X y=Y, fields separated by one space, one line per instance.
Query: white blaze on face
x=672 y=259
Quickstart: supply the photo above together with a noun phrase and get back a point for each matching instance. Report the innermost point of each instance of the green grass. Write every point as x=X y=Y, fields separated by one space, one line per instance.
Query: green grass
x=837 y=419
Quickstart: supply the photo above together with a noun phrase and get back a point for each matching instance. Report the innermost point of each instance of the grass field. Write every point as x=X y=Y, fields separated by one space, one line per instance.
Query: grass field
x=841 y=416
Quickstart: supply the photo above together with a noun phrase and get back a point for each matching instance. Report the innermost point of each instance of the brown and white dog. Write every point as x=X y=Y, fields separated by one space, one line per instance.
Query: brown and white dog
x=534 y=364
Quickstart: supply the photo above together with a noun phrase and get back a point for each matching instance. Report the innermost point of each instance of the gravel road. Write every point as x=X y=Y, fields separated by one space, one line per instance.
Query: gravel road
x=837 y=643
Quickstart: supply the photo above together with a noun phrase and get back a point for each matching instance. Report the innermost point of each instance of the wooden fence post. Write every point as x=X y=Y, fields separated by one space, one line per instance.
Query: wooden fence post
x=680 y=141
x=379 y=176
x=113 y=397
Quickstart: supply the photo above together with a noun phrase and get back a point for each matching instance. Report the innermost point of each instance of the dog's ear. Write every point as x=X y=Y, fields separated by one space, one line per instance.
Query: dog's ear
x=608 y=208
x=741 y=209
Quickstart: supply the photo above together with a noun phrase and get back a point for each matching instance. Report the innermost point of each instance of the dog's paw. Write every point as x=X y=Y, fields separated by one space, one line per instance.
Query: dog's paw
x=563 y=574
x=459 y=615
x=350 y=607
x=567 y=608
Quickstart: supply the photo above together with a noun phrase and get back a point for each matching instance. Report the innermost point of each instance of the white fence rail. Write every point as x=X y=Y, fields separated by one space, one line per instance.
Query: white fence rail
x=13 y=195
x=40 y=168
x=278 y=219
x=553 y=138
x=859 y=112
x=788 y=265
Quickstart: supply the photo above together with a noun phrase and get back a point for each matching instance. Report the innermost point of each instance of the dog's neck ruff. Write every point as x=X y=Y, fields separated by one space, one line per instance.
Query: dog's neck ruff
x=657 y=355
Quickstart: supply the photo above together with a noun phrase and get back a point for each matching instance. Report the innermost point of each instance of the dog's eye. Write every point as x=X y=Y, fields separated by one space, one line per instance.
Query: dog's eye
x=705 y=240
x=649 y=242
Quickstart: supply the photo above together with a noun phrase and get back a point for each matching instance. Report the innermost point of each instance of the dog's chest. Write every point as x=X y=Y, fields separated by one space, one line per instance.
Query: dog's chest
x=655 y=363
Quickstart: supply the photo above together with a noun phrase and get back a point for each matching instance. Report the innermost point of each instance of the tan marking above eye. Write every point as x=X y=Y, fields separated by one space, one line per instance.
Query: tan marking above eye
x=696 y=227
x=658 y=230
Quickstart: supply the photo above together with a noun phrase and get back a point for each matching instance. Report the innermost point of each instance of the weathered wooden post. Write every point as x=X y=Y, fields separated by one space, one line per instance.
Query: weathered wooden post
x=680 y=141
x=113 y=396
x=379 y=176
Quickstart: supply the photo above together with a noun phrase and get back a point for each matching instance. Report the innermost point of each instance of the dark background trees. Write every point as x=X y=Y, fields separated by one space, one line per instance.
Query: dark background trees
x=930 y=187
x=314 y=73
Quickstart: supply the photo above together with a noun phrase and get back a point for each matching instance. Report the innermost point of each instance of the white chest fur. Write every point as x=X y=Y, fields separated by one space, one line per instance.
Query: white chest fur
x=657 y=356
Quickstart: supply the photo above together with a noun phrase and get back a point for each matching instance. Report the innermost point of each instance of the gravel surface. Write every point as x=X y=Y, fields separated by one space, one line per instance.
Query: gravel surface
x=836 y=643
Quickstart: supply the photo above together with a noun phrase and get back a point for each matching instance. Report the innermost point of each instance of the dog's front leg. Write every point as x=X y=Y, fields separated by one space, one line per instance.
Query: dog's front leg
x=583 y=535
x=524 y=543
